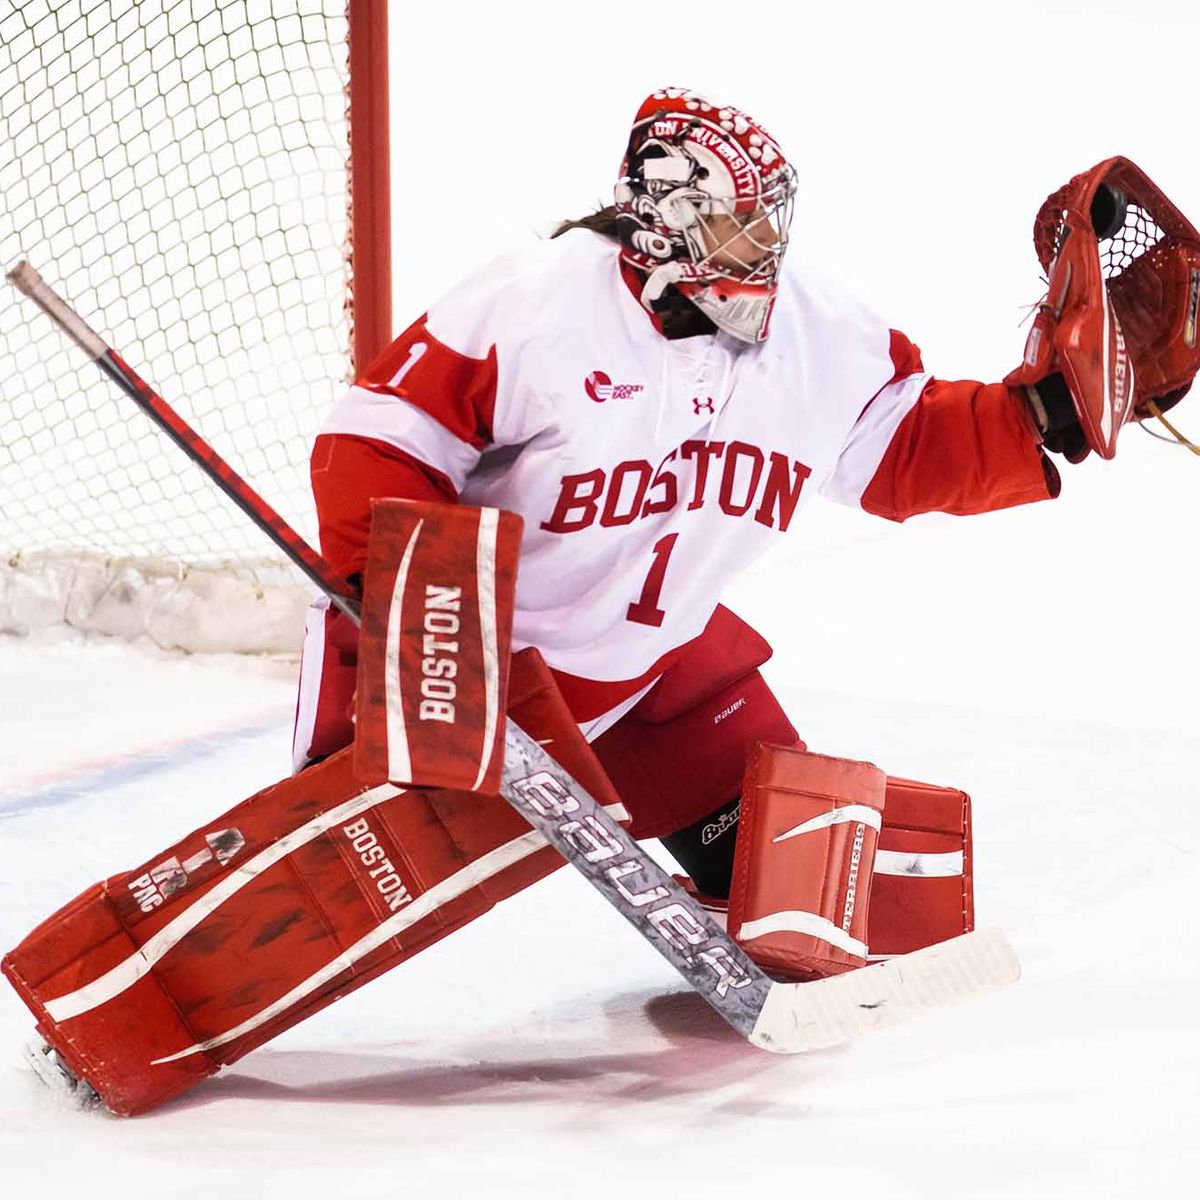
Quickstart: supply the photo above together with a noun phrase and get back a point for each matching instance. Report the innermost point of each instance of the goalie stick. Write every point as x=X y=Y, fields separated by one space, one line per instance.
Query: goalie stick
x=780 y=1017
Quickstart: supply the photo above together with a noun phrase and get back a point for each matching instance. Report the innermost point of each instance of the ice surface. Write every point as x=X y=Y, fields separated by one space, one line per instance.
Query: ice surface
x=546 y=1051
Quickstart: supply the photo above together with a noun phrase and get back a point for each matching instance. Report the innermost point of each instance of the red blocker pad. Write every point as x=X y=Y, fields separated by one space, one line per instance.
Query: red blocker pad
x=153 y=980
x=805 y=853
x=434 y=645
x=921 y=892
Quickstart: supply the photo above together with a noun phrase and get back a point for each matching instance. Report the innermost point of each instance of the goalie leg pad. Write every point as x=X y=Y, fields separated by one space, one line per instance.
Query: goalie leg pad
x=922 y=884
x=801 y=887
x=153 y=980
x=921 y=892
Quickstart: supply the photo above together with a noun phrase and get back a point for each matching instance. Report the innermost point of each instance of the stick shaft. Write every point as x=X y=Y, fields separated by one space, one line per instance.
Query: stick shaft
x=262 y=514
x=313 y=565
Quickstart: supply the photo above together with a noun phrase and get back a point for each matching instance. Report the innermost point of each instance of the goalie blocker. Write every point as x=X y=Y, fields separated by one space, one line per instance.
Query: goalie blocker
x=434 y=645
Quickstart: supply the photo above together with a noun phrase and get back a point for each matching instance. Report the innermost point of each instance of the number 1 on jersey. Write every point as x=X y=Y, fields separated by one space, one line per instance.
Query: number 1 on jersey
x=644 y=610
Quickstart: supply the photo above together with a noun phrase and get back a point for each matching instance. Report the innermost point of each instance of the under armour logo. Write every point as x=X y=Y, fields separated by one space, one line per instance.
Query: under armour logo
x=703 y=405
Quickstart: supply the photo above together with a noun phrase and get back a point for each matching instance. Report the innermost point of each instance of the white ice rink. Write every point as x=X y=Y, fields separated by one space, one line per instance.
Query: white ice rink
x=546 y=1051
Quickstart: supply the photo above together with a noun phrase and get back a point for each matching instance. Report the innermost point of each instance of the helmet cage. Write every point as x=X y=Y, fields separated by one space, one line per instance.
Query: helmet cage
x=733 y=240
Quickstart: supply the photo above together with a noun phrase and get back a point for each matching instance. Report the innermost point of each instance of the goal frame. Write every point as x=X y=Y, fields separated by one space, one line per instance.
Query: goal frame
x=254 y=600
x=370 y=190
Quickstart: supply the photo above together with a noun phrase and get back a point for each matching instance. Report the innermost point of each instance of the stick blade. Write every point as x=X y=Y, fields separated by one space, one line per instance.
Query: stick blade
x=808 y=1016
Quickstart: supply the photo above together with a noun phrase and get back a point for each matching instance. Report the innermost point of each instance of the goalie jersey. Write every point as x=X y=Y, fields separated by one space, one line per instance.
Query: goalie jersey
x=648 y=470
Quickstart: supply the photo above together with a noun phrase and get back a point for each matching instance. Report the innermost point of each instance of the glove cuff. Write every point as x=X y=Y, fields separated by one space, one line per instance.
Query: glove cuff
x=1051 y=404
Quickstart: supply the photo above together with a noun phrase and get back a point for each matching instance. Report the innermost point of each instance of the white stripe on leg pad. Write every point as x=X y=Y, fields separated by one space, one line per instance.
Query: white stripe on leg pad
x=930 y=866
x=863 y=813
x=795 y=921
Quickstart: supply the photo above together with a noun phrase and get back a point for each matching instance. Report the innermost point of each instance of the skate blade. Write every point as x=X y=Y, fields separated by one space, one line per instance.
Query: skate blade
x=68 y=1090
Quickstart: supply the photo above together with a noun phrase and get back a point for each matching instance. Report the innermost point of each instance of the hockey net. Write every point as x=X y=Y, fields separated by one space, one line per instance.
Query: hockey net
x=180 y=170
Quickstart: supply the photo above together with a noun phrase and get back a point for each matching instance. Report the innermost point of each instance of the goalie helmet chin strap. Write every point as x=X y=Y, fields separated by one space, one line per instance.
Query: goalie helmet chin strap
x=1176 y=436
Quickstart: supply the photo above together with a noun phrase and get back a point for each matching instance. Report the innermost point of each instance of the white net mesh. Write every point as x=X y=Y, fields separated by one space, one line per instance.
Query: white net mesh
x=177 y=169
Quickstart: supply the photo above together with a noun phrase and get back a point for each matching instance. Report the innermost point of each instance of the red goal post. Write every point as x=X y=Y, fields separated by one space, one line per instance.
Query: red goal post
x=207 y=182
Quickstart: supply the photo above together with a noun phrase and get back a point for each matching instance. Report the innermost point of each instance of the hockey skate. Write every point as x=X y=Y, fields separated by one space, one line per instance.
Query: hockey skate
x=54 y=1073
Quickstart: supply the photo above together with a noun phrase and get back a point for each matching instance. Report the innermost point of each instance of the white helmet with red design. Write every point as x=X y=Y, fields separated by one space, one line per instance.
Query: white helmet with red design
x=704 y=202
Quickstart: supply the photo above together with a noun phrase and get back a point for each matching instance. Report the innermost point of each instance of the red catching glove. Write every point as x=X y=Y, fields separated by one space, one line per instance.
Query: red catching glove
x=1117 y=331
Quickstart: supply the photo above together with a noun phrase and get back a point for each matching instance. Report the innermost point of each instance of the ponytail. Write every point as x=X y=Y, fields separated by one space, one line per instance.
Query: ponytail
x=603 y=220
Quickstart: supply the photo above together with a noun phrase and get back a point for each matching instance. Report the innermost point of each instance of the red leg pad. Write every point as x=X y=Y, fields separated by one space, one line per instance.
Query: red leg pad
x=922 y=887
x=153 y=980
x=802 y=870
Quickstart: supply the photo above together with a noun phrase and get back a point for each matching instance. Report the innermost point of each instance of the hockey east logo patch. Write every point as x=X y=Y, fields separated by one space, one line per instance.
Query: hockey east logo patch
x=600 y=387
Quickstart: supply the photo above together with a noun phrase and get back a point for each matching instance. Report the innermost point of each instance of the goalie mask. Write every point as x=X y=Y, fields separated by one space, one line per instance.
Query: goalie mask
x=704 y=202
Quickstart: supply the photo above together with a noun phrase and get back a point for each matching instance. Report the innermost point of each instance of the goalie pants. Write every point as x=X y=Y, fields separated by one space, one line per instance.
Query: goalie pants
x=679 y=754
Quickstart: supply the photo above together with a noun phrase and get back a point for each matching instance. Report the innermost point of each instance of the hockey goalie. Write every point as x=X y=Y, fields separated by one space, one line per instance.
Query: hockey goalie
x=542 y=488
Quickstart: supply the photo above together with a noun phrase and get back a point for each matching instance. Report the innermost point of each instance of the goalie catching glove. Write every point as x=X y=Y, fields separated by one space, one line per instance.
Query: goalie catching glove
x=1116 y=337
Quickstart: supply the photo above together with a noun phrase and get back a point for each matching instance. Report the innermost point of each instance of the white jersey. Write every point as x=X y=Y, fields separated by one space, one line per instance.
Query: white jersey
x=648 y=471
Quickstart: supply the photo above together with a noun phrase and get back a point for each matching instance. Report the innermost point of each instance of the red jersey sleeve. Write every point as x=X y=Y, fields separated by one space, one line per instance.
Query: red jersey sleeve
x=455 y=389
x=347 y=473
x=412 y=426
x=929 y=445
